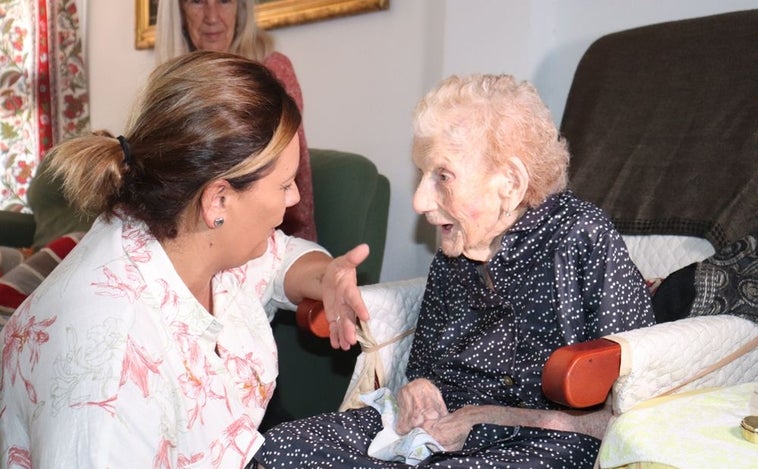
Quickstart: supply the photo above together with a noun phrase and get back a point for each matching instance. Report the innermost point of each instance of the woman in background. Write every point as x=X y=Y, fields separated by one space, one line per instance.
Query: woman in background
x=150 y=344
x=229 y=26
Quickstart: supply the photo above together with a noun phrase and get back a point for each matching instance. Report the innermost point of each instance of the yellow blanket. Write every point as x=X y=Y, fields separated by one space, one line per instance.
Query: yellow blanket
x=699 y=429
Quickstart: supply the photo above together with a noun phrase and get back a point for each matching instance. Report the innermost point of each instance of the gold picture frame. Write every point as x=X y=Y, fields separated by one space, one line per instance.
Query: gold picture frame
x=271 y=14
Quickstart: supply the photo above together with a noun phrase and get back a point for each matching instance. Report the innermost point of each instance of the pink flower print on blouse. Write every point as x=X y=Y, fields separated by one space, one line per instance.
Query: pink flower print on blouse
x=197 y=385
x=162 y=459
x=260 y=287
x=135 y=243
x=136 y=365
x=130 y=288
x=254 y=392
x=274 y=248
x=19 y=457
x=23 y=337
x=231 y=439
x=106 y=405
x=186 y=342
x=170 y=298
x=184 y=461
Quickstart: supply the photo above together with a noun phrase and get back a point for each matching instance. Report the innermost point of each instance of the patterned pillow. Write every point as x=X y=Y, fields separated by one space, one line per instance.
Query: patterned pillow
x=727 y=282
x=20 y=281
x=10 y=258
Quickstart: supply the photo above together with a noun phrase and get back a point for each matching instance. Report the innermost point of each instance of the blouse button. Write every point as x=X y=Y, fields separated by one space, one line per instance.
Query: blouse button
x=507 y=380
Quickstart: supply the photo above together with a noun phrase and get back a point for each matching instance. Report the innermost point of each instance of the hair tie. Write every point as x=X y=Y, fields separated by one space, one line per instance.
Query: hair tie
x=125 y=148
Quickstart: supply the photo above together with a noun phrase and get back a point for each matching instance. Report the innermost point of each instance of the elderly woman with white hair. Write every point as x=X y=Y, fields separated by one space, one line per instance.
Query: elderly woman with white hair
x=524 y=267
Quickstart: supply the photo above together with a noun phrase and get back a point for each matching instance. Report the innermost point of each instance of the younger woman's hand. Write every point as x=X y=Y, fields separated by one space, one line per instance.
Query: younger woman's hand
x=342 y=299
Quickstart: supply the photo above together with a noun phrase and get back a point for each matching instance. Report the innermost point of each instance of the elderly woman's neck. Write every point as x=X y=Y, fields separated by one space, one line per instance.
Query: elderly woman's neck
x=484 y=275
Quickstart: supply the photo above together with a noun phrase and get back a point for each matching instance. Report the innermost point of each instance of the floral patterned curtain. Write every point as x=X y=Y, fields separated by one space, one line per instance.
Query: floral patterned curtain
x=43 y=88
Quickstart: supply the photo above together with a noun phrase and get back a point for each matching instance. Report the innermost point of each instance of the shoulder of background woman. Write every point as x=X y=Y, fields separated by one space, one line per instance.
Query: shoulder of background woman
x=281 y=66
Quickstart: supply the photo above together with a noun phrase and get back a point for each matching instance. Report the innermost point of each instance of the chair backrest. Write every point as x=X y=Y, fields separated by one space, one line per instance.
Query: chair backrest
x=351 y=201
x=661 y=124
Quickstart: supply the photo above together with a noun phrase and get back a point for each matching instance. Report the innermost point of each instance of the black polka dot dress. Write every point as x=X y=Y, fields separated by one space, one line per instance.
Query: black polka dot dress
x=563 y=275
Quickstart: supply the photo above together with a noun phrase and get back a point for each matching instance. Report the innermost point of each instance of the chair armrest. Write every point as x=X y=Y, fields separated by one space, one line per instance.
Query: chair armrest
x=581 y=375
x=383 y=300
x=645 y=363
x=385 y=339
x=310 y=317
x=666 y=357
x=16 y=229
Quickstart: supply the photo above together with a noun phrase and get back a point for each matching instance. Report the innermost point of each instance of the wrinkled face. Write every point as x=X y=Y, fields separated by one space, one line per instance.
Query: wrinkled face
x=460 y=195
x=210 y=23
x=261 y=207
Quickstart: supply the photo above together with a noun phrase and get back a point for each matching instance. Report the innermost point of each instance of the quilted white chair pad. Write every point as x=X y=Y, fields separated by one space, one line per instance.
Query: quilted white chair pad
x=393 y=307
x=656 y=256
x=657 y=359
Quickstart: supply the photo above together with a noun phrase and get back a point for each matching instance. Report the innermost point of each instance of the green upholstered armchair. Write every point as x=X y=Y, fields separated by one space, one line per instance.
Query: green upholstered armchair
x=351 y=202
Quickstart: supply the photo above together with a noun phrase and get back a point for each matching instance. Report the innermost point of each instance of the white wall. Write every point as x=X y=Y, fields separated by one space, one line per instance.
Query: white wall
x=543 y=40
x=362 y=75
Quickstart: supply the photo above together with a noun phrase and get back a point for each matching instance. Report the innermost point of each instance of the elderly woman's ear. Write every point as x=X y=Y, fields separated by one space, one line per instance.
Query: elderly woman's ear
x=515 y=183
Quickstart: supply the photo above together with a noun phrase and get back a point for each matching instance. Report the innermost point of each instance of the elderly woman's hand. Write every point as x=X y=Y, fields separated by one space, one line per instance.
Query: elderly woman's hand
x=451 y=430
x=342 y=299
x=419 y=402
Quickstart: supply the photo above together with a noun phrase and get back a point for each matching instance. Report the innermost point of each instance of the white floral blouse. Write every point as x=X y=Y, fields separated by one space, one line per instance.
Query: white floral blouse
x=112 y=362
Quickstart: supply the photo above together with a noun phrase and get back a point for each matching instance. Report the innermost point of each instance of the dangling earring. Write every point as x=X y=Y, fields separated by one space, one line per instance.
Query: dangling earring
x=218 y=222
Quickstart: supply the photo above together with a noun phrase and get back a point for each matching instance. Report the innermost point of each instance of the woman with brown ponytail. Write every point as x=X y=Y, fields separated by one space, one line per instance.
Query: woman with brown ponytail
x=150 y=344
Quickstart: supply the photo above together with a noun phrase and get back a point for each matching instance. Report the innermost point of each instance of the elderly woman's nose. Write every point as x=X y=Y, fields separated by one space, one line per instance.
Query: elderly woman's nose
x=422 y=199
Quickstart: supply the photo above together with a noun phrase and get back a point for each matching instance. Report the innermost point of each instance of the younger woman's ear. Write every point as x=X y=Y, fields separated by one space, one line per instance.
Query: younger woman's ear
x=517 y=181
x=213 y=201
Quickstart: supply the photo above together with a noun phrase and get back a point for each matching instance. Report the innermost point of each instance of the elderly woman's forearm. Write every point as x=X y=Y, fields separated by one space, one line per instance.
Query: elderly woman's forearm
x=593 y=422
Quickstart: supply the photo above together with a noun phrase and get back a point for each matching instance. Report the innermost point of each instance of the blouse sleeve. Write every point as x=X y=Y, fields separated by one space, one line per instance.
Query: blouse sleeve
x=266 y=273
x=609 y=288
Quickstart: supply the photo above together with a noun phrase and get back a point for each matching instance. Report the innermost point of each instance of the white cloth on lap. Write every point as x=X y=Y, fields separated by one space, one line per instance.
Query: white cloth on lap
x=411 y=448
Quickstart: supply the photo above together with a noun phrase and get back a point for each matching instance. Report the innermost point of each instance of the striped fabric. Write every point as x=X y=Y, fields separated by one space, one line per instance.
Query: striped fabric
x=21 y=276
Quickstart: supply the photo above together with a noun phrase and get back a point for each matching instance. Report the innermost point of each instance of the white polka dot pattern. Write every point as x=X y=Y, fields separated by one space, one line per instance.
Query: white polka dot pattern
x=562 y=276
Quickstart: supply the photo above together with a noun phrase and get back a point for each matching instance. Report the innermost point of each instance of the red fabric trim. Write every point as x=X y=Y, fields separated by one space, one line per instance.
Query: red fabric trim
x=44 y=103
x=10 y=297
x=62 y=246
